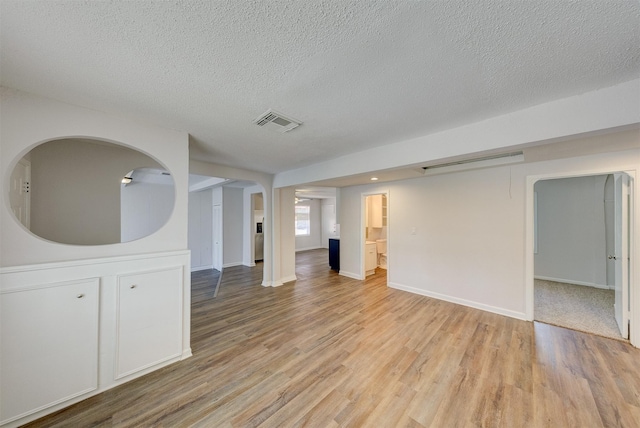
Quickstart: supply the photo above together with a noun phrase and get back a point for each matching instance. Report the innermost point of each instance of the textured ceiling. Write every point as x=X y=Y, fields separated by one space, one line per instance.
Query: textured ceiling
x=359 y=74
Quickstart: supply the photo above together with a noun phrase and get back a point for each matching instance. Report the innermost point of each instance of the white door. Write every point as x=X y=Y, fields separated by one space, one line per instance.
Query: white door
x=19 y=191
x=621 y=255
x=217 y=237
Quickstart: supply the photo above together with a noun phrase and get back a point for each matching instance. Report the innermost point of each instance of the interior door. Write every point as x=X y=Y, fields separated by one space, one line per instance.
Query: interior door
x=217 y=237
x=621 y=255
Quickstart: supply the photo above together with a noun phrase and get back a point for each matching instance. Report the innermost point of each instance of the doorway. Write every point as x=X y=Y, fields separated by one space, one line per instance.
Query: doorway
x=581 y=275
x=375 y=234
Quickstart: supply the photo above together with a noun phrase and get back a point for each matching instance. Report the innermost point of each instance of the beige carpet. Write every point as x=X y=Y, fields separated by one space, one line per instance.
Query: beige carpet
x=576 y=307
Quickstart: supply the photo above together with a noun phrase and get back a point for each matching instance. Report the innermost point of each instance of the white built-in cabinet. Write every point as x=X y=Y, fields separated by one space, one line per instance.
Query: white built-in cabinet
x=149 y=319
x=377 y=210
x=370 y=258
x=72 y=330
x=49 y=345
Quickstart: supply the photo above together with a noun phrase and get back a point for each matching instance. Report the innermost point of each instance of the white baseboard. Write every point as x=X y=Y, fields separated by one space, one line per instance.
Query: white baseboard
x=279 y=282
x=199 y=268
x=571 y=281
x=459 y=301
x=350 y=275
x=307 y=249
x=226 y=265
x=288 y=279
x=249 y=264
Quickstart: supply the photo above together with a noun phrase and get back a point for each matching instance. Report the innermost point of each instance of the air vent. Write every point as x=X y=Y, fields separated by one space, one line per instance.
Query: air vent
x=276 y=121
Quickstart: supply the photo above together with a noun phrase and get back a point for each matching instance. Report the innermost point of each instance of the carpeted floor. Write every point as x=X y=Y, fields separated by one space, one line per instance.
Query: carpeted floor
x=576 y=307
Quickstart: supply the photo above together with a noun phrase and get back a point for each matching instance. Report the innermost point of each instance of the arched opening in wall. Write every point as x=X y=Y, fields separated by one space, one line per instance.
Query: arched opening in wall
x=582 y=231
x=87 y=191
x=316 y=226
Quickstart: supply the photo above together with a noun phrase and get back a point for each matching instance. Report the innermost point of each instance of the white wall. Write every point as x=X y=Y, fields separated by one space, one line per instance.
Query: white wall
x=145 y=208
x=314 y=239
x=27 y=120
x=285 y=242
x=571 y=231
x=232 y=225
x=329 y=220
x=469 y=245
x=200 y=229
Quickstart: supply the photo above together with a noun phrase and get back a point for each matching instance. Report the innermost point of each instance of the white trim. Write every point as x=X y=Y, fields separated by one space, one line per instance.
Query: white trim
x=574 y=282
x=279 y=282
x=529 y=262
x=199 y=268
x=95 y=261
x=308 y=248
x=288 y=279
x=363 y=223
x=249 y=265
x=459 y=301
x=226 y=265
x=351 y=275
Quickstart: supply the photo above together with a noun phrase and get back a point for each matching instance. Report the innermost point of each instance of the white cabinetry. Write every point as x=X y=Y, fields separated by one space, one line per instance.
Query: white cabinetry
x=71 y=330
x=378 y=211
x=49 y=350
x=370 y=258
x=149 y=319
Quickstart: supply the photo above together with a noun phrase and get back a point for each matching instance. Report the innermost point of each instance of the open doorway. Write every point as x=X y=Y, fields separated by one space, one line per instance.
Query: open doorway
x=375 y=234
x=315 y=217
x=257 y=226
x=581 y=253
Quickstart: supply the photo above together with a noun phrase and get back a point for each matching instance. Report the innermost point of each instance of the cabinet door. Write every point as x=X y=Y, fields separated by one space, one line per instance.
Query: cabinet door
x=149 y=319
x=375 y=219
x=371 y=258
x=49 y=350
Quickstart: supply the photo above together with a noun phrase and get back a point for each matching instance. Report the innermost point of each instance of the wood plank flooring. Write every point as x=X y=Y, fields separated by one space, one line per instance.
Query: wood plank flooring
x=329 y=351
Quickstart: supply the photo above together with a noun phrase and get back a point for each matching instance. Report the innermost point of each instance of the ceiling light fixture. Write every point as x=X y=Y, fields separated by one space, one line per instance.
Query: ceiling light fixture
x=374 y=178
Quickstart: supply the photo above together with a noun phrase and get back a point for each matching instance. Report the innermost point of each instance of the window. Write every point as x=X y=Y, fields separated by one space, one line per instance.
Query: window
x=303 y=224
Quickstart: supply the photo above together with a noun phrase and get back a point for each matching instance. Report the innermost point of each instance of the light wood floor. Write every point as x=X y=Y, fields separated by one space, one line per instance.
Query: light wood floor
x=331 y=351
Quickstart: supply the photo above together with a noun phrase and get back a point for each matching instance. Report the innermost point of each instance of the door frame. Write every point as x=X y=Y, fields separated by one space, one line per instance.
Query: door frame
x=363 y=237
x=217 y=256
x=634 y=242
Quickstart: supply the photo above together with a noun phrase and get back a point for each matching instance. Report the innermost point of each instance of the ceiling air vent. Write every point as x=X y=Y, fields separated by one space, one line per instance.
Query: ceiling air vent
x=276 y=121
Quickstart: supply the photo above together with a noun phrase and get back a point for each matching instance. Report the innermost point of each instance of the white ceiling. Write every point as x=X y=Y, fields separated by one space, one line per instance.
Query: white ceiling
x=359 y=74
